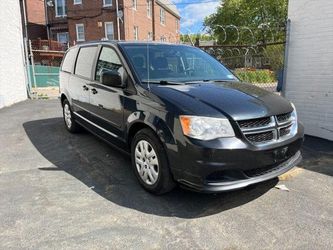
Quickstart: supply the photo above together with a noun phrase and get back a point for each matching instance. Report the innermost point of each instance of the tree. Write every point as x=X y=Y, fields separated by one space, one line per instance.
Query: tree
x=265 y=18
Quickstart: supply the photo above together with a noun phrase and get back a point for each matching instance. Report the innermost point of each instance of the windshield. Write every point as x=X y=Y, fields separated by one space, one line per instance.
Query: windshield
x=174 y=63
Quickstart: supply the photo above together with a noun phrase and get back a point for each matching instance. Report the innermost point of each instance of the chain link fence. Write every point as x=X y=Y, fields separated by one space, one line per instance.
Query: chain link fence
x=261 y=65
x=45 y=57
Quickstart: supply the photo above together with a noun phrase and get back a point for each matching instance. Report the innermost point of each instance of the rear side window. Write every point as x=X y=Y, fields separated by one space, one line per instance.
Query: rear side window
x=85 y=61
x=69 y=60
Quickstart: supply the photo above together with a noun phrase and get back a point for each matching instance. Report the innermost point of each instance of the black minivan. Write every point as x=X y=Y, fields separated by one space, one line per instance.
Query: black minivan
x=182 y=116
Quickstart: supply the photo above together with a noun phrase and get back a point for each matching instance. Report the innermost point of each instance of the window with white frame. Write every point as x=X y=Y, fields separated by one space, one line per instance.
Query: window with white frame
x=134 y=4
x=60 y=8
x=149 y=8
x=109 y=31
x=107 y=3
x=136 y=32
x=177 y=26
x=77 y=2
x=150 y=36
x=80 y=36
x=62 y=37
x=162 y=16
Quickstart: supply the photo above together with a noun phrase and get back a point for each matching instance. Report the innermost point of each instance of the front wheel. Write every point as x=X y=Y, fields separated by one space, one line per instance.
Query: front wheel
x=150 y=163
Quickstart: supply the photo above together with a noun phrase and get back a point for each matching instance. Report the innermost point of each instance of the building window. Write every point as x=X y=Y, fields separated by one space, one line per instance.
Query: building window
x=177 y=26
x=77 y=2
x=80 y=32
x=150 y=36
x=109 y=32
x=134 y=4
x=136 y=33
x=61 y=8
x=149 y=8
x=62 y=37
x=162 y=16
x=107 y=3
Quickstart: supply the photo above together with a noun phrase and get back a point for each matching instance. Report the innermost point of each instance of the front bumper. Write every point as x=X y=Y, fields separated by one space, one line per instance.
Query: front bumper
x=232 y=163
x=237 y=184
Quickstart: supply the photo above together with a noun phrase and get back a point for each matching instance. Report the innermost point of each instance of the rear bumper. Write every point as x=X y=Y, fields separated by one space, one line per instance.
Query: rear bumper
x=237 y=184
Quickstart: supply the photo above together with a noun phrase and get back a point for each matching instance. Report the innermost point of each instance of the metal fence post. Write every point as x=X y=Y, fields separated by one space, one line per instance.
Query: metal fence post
x=286 y=53
x=32 y=65
x=27 y=64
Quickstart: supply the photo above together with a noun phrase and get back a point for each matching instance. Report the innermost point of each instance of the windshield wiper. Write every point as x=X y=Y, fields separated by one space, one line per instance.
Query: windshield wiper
x=163 y=82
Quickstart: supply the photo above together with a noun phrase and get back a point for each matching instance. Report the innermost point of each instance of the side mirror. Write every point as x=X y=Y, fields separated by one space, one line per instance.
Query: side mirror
x=111 y=78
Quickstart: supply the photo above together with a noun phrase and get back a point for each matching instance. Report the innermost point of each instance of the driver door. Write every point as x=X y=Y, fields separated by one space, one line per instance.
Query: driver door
x=106 y=102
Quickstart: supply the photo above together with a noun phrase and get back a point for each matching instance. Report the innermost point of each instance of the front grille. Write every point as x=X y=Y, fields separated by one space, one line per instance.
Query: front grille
x=285 y=131
x=254 y=123
x=283 y=117
x=260 y=137
x=268 y=129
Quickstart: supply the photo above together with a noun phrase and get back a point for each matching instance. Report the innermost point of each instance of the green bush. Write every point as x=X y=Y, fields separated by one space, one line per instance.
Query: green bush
x=256 y=75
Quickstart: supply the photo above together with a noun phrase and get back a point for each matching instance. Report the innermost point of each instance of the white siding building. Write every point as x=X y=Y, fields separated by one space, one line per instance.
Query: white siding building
x=309 y=80
x=12 y=71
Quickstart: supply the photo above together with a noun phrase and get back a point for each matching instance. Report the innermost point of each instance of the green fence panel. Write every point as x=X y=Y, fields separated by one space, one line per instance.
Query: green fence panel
x=50 y=77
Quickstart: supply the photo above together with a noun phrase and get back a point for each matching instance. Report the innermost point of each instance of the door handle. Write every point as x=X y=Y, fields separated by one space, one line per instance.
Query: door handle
x=85 y=88
x=94 y=91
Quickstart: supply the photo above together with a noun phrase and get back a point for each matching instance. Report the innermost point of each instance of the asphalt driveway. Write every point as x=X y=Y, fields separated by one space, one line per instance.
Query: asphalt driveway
x=59 y=190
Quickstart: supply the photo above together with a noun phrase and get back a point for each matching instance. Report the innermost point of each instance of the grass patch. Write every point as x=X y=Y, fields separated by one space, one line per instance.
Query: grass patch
x=256 y=75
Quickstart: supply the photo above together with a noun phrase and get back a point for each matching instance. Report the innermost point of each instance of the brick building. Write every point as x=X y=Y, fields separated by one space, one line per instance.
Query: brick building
x=86 y=20
x=35 y=19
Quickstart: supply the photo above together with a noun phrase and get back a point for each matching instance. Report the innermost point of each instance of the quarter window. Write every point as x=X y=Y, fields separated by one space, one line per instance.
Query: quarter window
x=80 y=36
x=162 y=16
x=109 y=31
x=107 y=61
x=61 y=8
x=69 y=60
x=85 y=61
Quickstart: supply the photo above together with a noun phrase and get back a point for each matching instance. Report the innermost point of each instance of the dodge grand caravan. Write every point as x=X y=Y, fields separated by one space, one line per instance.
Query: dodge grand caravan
x=182 y=116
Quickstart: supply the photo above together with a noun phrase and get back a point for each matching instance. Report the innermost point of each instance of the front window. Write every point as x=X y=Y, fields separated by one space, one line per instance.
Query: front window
x=149 y=8
x=107 y=3
x=155 y=63
x=136 y=33
x=61 y=8
x=134 y=4
x=109 y=34
x=162 y=16
x=80 y=36
x=62 y=37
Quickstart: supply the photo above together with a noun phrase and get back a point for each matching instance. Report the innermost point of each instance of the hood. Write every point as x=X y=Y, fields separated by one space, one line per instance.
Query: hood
x=237 y=100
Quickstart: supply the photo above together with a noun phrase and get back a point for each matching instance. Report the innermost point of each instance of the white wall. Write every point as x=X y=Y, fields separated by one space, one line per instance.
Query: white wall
x=12 y=72
x=309 y=82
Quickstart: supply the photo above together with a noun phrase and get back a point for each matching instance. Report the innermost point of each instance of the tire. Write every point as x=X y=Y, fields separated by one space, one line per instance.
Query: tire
x=71 y=125
x=150 y=164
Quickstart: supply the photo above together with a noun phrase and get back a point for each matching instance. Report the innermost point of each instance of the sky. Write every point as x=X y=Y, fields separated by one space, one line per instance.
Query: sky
x=193 y=13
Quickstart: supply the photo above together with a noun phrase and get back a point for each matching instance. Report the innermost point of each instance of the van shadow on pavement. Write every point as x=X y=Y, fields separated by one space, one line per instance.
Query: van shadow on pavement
x=108 y=172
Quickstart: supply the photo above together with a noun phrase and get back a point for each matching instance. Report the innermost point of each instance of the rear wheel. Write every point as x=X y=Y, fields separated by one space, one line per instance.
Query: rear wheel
x=70 y=123
x=150 y=163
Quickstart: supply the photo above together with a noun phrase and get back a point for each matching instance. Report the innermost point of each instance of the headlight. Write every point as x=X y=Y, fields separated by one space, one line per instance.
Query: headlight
x=294 y=113
x=206 y=128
